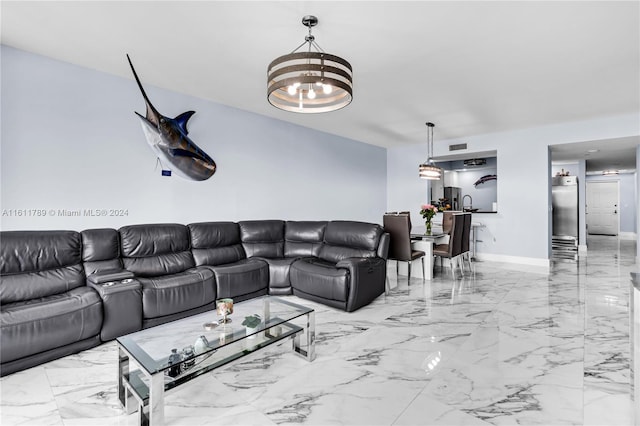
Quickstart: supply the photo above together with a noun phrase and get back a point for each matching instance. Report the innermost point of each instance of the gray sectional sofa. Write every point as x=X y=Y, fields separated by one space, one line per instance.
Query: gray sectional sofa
x=64 y=291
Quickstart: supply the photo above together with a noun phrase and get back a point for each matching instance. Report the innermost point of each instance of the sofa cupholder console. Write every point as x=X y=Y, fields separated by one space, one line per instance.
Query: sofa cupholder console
x=64 y=291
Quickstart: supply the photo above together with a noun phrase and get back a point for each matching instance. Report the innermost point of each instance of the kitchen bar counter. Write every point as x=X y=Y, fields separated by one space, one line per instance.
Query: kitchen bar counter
x=484 y=211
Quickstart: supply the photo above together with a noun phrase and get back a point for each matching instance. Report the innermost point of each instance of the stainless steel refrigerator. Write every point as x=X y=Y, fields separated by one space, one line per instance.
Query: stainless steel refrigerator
x=564 y=196
x=453 y=194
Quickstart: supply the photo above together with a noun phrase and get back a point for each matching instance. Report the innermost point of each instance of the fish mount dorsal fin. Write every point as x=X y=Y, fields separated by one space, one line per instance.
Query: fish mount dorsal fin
x=182 y=120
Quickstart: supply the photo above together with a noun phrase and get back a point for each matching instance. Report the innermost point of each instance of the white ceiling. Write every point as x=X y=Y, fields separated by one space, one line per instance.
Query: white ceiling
x=470 y=67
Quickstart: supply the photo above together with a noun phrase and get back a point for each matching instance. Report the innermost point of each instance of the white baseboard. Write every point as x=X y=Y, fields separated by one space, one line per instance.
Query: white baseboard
x=627 y=235
x=519 y=260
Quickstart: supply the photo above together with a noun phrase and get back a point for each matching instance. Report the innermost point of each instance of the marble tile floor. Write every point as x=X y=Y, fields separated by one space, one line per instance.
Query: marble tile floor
x=502 y=345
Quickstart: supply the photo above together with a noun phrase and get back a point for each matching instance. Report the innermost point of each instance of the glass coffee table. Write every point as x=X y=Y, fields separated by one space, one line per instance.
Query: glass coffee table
x=172 y=354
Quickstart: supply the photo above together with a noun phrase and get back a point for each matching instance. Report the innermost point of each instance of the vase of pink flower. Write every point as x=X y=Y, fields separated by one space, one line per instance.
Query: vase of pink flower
x=428 y=211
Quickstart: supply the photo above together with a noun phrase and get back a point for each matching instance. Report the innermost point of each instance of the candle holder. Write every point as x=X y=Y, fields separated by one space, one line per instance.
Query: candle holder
x=224 y=308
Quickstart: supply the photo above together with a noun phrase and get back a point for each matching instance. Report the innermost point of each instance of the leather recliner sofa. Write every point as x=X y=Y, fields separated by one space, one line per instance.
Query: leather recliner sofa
x=47 y=311
x=64 y=291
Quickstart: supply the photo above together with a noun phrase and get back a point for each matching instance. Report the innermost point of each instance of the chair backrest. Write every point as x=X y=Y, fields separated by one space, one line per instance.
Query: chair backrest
x=407 y=213
x=447 y=220
x=466 y=231
x=455 y=238
x=408 y=217
x=398 y=227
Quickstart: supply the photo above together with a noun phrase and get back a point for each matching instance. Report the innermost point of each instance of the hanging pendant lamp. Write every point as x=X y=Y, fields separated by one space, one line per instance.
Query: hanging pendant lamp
x=309 y=81
x=428 y=170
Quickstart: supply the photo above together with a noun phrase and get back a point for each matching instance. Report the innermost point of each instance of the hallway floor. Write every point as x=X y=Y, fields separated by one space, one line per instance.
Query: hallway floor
x=505 y=344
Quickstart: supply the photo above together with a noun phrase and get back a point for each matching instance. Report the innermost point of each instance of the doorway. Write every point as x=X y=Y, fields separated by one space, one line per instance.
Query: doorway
x=602 y=207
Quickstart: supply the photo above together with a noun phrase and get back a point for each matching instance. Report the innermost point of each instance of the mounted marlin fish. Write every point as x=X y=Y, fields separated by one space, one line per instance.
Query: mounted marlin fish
x=168 y=139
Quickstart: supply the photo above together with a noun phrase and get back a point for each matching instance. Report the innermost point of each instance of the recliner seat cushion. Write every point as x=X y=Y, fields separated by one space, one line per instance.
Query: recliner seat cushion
x=155 y=250
x=168 y=294
x=248 y=276
x=320 y=278
x=279 y=271
x=49 y=322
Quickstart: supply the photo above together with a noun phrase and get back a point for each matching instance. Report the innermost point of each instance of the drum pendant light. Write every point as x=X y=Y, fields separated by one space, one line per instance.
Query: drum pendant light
x=428 y=170
x=310 y=81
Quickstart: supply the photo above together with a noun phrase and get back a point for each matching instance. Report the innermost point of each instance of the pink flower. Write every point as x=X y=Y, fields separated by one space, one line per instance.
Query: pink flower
x=428 y=211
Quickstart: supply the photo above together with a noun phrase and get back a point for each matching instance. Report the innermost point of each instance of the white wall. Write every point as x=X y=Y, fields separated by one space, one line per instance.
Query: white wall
x=71 y=141
x=519 y=232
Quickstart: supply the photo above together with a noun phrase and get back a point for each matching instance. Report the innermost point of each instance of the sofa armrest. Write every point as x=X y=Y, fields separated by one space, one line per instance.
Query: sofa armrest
x=383 y=246
x=367 y=279
x=111 y=275
x=121 y=305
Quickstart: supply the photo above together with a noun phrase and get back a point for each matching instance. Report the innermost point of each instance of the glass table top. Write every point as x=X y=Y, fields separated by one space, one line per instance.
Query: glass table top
x=155 y=349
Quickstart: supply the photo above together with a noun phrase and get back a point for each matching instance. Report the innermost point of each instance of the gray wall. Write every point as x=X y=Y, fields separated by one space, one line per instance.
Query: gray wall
x=484 y=194
x=519 y=231
x=70 y=141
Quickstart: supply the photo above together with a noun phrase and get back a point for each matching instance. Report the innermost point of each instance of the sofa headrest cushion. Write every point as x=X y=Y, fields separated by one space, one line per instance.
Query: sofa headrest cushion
x=216 y=243
x=214 y=234
x=261 y=231
x=38 y=264
x=153 y=240
x=303 y=239
x=32 y=251
x=305 y=232
x=100 y=244
x=263 y=238
x=357 y=235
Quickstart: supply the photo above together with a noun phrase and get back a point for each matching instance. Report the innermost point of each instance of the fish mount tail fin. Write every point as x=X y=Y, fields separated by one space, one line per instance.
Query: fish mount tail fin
x=151 y=111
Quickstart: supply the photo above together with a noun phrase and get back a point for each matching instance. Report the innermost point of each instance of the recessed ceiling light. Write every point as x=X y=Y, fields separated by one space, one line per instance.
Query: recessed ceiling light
x=591 y=151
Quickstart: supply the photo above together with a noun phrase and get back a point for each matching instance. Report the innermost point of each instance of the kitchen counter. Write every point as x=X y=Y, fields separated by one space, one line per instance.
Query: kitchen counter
x=484 y=211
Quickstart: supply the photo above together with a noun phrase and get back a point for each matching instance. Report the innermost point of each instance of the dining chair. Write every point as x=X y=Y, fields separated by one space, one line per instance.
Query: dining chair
x=399 y=228
x=453 y=249
x=447 y=220
x=466 y=232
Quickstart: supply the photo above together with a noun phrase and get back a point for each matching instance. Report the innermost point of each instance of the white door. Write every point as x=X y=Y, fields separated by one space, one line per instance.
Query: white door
x=602 y=207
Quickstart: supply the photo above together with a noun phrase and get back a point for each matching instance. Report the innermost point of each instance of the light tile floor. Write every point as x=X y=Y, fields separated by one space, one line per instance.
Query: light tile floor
x=503 y=345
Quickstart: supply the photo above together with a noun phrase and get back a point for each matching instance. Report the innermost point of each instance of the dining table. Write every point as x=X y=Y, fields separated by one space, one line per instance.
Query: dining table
x=423 y=241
